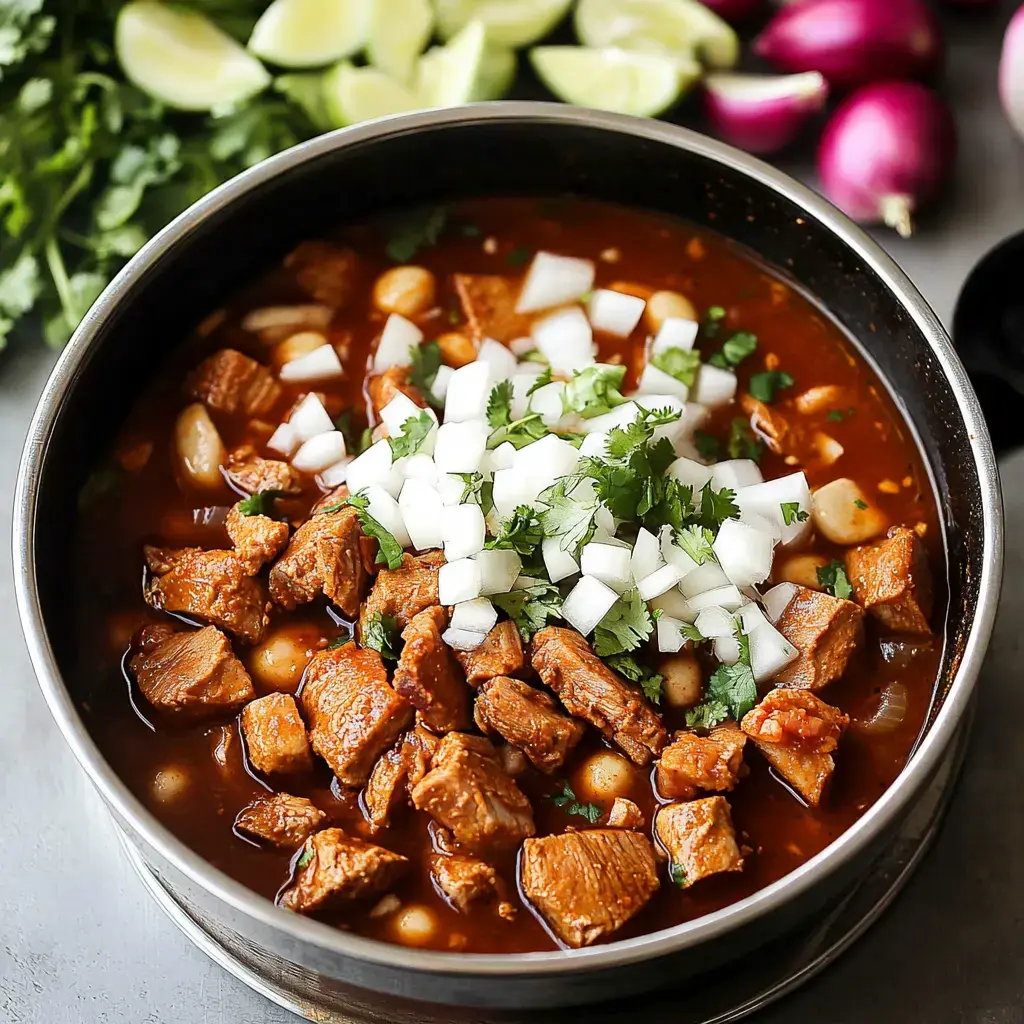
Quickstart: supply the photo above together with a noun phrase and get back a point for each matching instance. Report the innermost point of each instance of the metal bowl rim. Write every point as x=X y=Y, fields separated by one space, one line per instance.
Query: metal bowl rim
x=704 y=929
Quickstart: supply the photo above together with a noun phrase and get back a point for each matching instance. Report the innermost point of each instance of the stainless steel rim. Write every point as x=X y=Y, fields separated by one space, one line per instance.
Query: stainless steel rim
x=743 y=913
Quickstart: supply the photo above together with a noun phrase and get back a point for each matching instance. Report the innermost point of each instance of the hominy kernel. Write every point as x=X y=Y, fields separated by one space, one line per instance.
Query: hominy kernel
x=490 y=245
x=888 y=487
x=791 y=460
x=611 y=255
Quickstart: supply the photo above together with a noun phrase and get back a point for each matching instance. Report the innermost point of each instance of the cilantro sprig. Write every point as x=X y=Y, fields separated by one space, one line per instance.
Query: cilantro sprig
x=734 y=350
x=570 y=512
x=706 y=715
x=566 y=799
x=425 y=361
x=383 y=634
x=833 y=580
x=594 y=391
x=520 y=532
x=530 y=609
x=519 y=432
x=765 y=385
x=628 y=666
x=259 y=504
x=627 y=624
x=415 y=431
x=390 y=551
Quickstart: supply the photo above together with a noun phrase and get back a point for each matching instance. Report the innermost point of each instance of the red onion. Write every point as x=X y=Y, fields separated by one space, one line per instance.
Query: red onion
x=853 y=41
x=1011 y=71
x=733 y=11
x=886 y=151
x=762 y=113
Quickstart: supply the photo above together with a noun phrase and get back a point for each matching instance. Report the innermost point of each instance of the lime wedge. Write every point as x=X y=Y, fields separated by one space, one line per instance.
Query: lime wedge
x=354 y=94
x=182 y=59
x=497 y=71
x=683 y=27
x=310 y=33
x=306 y=90
x=449 y=75
x=399 y=31
x=644 y=84
x=508 y=22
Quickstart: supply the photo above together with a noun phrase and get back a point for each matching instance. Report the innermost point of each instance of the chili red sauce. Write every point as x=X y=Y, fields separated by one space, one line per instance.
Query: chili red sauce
x=147 y=505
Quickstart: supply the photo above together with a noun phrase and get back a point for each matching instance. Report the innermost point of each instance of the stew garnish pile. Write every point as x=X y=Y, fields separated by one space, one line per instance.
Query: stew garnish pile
x=568 y=579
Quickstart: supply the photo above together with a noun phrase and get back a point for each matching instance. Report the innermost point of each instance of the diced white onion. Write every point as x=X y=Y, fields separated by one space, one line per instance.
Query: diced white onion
x=460 y=447
x=554 y=281
x=750 y=616
x=520 y=347
x=319 y=452
x=735 y=473
x=320 y=364
x=458 y=581
x=374 y=466
x=439 y=389
x=463 y=639
x=654 y=381
x=594 y=446
x=777 y=599
x=542 y=462
x=675 y=332
x=501 y=361
x=708 y=576
x=587 y=604
x=765 y=525
x=727 y=597
x=284 y=440
x=674 y=604
x=604 y=524
x=566 y=340
x=527 y=582
x=609 y=564
x=383 y=507
x=670 y=634
x=614 y=312
x=745 y=554
x=727 y=650
x=334 y=476
x=502 y=457
x=463 y=531
x=397 y=338
x=675 y=555
x=714 y=386
x=548 y=401
x=620 y=416
x=770 y=651
x=422 y=513
x=654 y=585
x=477 y=616
x=559 y=563
x=282 y=317
x=468 y=391
x=691 y=474
x=451 y=488
x=766 y=499
x=398 y=410
x=521 y=384
x=499 y=569
x=419 y=467
x=510 y=488
x=646 y=555
x=310 y=418
x=714 y=622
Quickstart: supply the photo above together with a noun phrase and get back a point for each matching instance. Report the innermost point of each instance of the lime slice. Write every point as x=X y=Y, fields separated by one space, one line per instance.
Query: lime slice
x=310 y=33
x=508 y=22
x=182 y=59
x=399 y=31
x=683 y=27
x=356 y=94
x=644 y=84
x=497 y=72
x=448 y=75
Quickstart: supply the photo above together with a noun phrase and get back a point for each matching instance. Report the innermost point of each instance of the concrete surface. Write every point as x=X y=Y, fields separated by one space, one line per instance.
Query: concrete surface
x=80 y=943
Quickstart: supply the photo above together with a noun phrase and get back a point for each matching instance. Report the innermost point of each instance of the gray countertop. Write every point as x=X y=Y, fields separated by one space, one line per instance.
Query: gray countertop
x=81 y=942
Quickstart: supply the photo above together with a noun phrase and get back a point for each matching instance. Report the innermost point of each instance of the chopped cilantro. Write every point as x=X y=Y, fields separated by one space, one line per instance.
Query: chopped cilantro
x=543 y=379
x=390 y=552
x=530 y=609
x=706 y=715
x=734 y=686
x=691 y=632
x=626 y=625
x=421 y=232
x=717 y=506
x=339 y=641
x=382 y=634
x=696 y=541
x=533 y=356
x=627 y=665
x=566 y=799
x=763 y=386
x=304 y=858
x=576 y=440
x=680 y=363
x=713 y=321
x=476 y=491
x=594 y=391
x=519 y=256
x=833 y=579
x=414 y=433
x=570 y=513
x=860 y=504
x=743 y=444
x=735 y=349
x=678 y=876
x=499 y=405
x=519 y=432
x=792 y=512
x=838 y=415
x=521 y=532
x=707 y=446
x=259 y=504
x=426 y=361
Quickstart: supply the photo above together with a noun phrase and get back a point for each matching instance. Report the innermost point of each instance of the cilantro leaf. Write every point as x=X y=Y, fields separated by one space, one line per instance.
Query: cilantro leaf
x=519 y=256
x=384 y=635
x=530 y=609
x=304 y=858
x=339 y=641
x=712 y=323
x=735 y=349
x=860 y=504
x=521 y=532
x=763 y=386
x=414 y=433
x=678 y=876
x=707 y=445
x=837 y=415
x=519 y=433
x=543 y=379
x=571 y=512
x=425 y=362
x=594 y=391
x=499 y=405
x=421 y=231
x=833 y=579
x=625 y=627
x=717 y=506
x=696 y=541
x=734 y=686
x=680 y=363
x=259 y=504
x=706 y=715
x=477 y=491
x=567 y=799
x=390 y=552
x=743 y=444
x=792 y=512
x=627 y=665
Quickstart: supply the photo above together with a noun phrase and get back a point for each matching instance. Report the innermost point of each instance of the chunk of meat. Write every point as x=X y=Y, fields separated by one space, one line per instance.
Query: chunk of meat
x=281 y=819
x=529 y=719
x=323 y=556
x=489 y=306
x=893 y=582
x=192 y=672
x=405 y=592
x=338 y=869
x=588 y=884
x=258 y=539
x=353 y=713
x=625 y=814
x=797 y=732
x=826 y=631
x=691 y=763
x=429 y=677
x=275 y=735
x=770 y=425
x=501 y=654
x=213 y=586
x=592 y=691
x=325 y=272
x=229 y=381
x=382 y=387
x=466 y=880
x=252 y=473
x=824 y=396
x=699 y=838
x=467 y=792
x=397 y=773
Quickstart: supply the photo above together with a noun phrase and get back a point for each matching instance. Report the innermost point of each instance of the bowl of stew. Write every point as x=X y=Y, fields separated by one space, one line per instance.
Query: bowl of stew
x=507 y=556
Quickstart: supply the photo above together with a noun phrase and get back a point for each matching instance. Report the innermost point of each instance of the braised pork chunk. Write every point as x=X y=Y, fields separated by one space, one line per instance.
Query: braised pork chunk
x=280 y=819
x=501 y=654
x=826 y=631
x=467 y=792
x=587 y=884
x=592 y=691
x=700 y=839
x=191 y=672
x=325 y=272
x=466 y=881
x=353 y=714
x=397 y=772
x=692 y=762
x=231 y=382
x=625 y=814
x=340 y=869
x=529 y=719
x=489 y=306
x=402 y=593
x=275 y=735
x=258 y=539
x=252 y=473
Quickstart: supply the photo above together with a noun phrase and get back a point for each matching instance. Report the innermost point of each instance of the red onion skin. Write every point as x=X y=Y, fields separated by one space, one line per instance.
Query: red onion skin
x=1011 y=71
x=886 y=152
x=733 y=11
x=852 y=42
